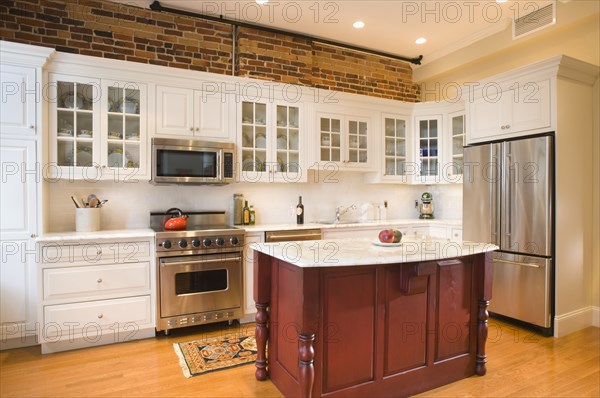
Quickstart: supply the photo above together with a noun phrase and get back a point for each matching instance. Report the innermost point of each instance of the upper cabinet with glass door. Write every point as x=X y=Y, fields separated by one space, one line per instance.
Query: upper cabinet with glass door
x=125 y=145
x=74 y=125
x=396 y=166
x=270 y=142
x=454 y=170
x=343 y=140
x=428 y=139
x=97 y=129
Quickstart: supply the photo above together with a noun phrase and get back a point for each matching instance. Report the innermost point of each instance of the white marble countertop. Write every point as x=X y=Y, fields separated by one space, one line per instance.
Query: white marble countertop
x=352 y=252
x=365 y=224
x=96 y=235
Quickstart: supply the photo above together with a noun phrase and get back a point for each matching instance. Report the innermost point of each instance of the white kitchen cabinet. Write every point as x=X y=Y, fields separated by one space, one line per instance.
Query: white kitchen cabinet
x=452 y=168
x=249 y=305
x=19 y=96
x=95 y=292
x=498 y=112
x=18 y=227
x=191 y=113
x=428 y=148
x=344 y=140
x=97 y=129
x=271 y=142
x=397 y=165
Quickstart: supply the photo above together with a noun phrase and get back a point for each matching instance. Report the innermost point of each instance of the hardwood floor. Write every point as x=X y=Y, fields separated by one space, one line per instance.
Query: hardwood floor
x=520 y=363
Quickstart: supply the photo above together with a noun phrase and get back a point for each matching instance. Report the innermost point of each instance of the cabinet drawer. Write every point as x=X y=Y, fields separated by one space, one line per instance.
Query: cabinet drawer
x=94 y=315
x=78 y=282
x=96 y=253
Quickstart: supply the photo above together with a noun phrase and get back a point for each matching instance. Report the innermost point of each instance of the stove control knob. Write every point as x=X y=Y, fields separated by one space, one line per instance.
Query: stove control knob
x=166 y=244
x=234 y=240
x=207 y=242
x=220 y=241
x=195 y=242
x=182 y=243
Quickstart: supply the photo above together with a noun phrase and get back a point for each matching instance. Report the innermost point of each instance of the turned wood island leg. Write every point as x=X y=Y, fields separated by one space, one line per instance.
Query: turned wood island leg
x=262 y=296
x=482 y=332
x=262 y=334
x=306 y=356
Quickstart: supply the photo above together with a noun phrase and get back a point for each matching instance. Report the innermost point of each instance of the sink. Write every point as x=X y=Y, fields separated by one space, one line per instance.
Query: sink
x=333 y=222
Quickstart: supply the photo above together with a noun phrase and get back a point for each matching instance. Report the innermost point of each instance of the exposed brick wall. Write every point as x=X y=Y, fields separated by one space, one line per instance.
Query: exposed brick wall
x=277 y=57
x=119 y=31
x=338 y=69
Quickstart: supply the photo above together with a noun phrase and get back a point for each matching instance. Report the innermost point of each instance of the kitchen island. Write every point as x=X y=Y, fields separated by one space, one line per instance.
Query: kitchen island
x=350 y=318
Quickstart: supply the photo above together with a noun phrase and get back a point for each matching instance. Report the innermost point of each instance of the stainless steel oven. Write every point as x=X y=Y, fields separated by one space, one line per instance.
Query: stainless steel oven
x=210 y=282
x=199 y=271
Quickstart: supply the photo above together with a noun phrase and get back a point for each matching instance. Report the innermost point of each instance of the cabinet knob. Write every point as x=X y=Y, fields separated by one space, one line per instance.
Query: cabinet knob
x=99 y=251
x=508 y=126
x=197 y=128
x=502 y=127
x=100 y=316
x=191 y=129
x=32 y=127
x=99 y=280
x=33 y=236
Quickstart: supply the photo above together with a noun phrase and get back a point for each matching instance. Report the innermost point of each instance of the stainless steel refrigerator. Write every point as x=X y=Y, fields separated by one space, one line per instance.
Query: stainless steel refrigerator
x=508 y=200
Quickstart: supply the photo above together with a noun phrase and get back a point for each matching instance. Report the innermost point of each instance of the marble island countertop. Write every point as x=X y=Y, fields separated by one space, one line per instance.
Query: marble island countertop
x=351 y=252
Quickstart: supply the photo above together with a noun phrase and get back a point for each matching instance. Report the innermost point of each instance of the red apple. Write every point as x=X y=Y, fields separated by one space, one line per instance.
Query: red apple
x=386 y=236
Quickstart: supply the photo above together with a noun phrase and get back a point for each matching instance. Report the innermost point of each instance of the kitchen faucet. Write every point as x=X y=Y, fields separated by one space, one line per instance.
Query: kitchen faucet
x=340 y=211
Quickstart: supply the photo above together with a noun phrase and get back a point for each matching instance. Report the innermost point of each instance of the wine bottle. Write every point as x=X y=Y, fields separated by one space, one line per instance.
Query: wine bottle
x=246 y=214
x=252 y=215
x=300 y=212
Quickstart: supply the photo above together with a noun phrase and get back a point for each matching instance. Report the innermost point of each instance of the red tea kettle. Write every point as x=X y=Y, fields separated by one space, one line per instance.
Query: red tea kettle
x=177 y=221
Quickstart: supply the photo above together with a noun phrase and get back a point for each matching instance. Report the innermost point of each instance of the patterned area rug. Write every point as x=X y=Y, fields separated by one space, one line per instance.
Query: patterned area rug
x=208 y=355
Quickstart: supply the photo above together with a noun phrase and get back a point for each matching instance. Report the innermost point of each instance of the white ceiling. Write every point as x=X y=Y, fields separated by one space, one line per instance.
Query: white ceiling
x=392 y=26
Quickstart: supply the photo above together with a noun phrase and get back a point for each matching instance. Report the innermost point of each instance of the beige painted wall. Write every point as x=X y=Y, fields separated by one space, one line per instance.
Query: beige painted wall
x=596 y=207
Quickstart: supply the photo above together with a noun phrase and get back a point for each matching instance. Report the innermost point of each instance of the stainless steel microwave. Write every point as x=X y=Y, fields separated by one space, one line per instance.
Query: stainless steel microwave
x=177 y=161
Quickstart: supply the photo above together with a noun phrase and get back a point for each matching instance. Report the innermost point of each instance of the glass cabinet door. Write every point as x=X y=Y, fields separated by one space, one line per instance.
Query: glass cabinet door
x=458 y=141
x=395 y=146
x=123 y=105
x=254 y=136
x=330 y=139
x=357 y=141
x=75 y=124
x=288 y=139
x=428 y=146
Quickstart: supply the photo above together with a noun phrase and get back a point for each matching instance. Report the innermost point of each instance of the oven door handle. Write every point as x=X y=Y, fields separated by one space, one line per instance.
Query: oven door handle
x=208 y=261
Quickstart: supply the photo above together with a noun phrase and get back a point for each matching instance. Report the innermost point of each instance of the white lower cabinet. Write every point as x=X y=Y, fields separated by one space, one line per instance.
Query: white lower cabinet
x=249 y=305
x=95 y=292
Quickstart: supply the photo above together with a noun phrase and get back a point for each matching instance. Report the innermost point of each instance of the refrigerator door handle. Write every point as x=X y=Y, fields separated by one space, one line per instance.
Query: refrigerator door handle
x=530 y=265
x=495 y=193
x=508 y=197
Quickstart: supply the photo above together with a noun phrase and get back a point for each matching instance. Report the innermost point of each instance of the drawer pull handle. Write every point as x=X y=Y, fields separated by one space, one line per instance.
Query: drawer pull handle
x=99 y=280
x=100 y=316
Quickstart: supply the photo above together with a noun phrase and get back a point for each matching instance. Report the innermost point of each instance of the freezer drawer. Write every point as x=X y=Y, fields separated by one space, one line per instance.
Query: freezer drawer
x=521 y=288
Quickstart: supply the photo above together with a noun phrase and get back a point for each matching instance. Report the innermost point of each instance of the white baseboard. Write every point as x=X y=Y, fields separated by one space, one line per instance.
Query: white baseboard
x=17 y=342
x=575 y=320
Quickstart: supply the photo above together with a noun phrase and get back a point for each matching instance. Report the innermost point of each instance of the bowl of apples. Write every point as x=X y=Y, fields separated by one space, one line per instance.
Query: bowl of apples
x=388 y=238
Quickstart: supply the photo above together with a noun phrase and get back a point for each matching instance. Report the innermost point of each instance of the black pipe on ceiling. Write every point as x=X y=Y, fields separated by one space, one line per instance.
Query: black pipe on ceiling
x=156 y=6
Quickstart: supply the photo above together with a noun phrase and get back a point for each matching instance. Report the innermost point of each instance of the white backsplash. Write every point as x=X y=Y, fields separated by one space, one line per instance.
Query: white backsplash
x=129 y=204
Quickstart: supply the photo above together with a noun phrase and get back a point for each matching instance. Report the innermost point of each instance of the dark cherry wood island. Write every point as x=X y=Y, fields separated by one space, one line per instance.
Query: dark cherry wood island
x=347 y=318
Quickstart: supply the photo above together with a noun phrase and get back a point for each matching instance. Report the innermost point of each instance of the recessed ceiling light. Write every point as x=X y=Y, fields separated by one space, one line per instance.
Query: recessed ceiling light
x=261 y=2
x=358 y=24
x=421 y=40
